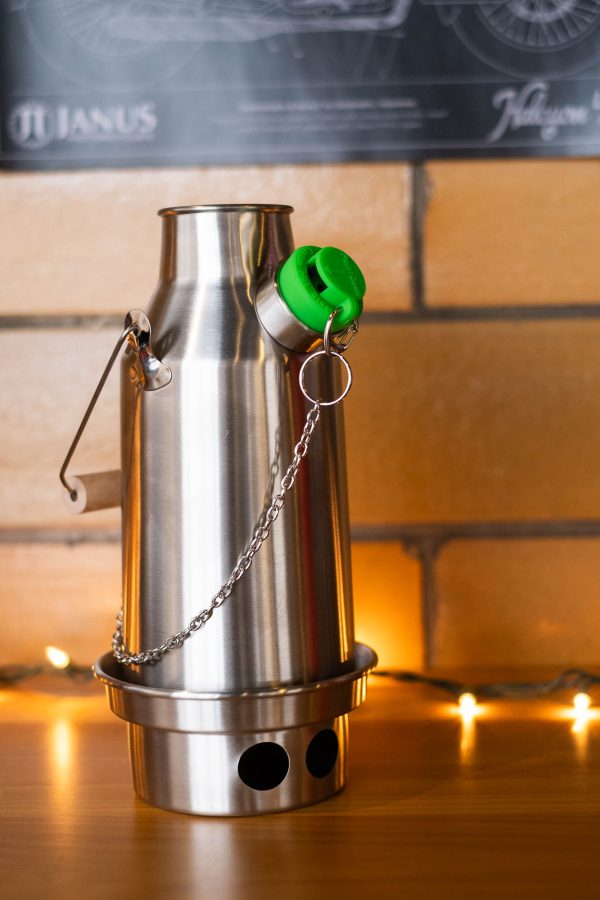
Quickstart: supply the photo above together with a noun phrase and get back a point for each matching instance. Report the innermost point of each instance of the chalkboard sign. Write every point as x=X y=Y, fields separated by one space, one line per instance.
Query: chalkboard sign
x=146 y=82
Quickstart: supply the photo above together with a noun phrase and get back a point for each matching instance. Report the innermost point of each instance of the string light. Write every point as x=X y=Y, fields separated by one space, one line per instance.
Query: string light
x=581 y=702
x=467 y=705
x=578 y=680
x=581 y=716
x=58 y=659
x=466 y=696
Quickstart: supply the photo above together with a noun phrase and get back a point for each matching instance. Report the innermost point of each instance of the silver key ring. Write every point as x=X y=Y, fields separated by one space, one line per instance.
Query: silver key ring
x=330 y=354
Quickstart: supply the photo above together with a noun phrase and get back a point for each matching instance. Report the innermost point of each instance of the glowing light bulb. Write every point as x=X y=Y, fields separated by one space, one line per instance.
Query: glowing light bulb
x=58 y=659
x=467 y=704
x=582 y=702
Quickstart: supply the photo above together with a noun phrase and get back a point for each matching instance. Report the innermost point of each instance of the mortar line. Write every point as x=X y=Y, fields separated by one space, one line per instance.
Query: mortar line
x=482 y=314
x=402 y=532
x=79 y=320
x=493 y=530
x=58 y=536
x=370 y=317
x=429 y=599
x=418 y=203
x=424 y=551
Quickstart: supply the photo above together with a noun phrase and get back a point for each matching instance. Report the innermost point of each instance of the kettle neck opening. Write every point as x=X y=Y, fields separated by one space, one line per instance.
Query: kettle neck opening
x=225 y=208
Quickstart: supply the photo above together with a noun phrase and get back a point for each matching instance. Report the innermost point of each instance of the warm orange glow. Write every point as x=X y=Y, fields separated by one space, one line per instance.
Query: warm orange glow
x=582 y=717
x=580 y=729
x=62 y=745
x=581 y=702
x=387 y=604
x=58 y=659
x=580 y=724
x=467 y=739
x=467 y=705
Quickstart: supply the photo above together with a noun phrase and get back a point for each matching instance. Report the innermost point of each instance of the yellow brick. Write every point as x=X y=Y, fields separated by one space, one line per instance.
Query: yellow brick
x=50 y=376
x=88 y=242
x=445 y=422
x=512 y=233
x=518 y=602
x=387 y=603
x=470 y=421
x=68 y=596
x=54 y=594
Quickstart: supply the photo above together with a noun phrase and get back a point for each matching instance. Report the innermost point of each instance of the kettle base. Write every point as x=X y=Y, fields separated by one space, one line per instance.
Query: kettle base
x=239 y=774
x=238 y=754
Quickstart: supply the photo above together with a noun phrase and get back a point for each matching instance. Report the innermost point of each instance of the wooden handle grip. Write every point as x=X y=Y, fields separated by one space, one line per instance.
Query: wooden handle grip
x=96 y=490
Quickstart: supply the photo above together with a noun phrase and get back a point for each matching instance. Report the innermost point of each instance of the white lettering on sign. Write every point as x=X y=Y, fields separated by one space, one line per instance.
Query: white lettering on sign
x=33 y=125
x=529 y=107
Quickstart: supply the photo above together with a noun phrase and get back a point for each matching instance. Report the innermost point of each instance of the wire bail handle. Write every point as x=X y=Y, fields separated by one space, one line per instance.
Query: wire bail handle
x=137 y=331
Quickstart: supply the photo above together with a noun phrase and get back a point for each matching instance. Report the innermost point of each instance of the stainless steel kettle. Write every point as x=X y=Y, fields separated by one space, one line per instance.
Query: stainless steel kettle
x=234 y=661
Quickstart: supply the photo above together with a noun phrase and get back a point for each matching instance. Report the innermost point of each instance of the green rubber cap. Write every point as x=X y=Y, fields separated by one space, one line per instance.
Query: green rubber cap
x=314 y=281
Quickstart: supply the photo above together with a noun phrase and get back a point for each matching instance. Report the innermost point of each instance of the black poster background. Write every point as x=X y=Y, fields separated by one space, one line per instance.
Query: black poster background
x=94 y=82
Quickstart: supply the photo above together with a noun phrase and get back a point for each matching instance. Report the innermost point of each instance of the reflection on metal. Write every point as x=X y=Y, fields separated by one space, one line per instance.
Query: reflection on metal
x=197 y=456
x=185 y=746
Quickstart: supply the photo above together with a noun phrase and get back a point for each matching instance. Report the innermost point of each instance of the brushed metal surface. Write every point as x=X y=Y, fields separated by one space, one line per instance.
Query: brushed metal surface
x=198 y=773
x=278 y=319
x=197 y=459
x=265 y=710
x=186 y=746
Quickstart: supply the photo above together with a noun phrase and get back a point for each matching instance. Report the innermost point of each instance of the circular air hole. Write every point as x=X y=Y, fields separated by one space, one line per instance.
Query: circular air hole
x=322 y=753
x=263 y=766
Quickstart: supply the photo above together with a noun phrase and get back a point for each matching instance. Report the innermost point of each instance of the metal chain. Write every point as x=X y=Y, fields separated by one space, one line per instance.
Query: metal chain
x=261 y=533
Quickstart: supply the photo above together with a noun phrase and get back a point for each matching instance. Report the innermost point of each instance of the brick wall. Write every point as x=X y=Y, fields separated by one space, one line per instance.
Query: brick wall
x=474 y=444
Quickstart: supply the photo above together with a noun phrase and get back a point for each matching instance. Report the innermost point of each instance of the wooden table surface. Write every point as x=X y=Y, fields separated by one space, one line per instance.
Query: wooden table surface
x=507 y=806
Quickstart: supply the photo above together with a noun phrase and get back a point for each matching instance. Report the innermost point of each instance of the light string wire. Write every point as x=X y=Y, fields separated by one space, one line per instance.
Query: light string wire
x=58 y=662
x=571 y=679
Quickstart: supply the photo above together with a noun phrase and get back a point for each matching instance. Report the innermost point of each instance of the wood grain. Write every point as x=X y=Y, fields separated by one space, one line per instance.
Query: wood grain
x=429 y=812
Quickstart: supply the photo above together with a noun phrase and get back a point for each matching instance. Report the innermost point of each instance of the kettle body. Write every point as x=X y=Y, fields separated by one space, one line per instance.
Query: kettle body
x=247 y=712
x=200 y=460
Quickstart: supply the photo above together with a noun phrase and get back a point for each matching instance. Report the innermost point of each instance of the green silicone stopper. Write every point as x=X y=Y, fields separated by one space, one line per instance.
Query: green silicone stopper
x=314 y=281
